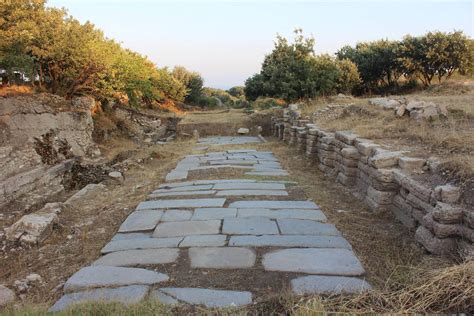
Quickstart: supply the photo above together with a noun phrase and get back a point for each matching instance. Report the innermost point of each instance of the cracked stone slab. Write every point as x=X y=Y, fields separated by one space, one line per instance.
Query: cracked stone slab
x=182 y=193
x=275 y=204
x=201 y=182
x=319 y=284
x=127 y=236
x=326 y=261
x=213 y=213
x=267 y=173
x=222 y=257
x=249 y=186
x=145 y=243
x=209 y=297
x=201 y=187
x=204 y=241
x=104 y=276
x=127 y=295
x=141 y=220
x=249 y=226
x=289 y=241
x=187 y=203
x=138 y=257
x=316 y=215
x=176 y=175
x=176 y=215
x=185 y=228
x=252 y=193
x=306 y=227
x=163 y=298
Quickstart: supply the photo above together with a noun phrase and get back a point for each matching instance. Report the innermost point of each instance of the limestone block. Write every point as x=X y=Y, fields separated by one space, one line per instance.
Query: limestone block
x=438 y=246
x=32 y=228
x=440 y=230
x=350 y=153
x=411 y=164
x=447 y=214
x=384 y=159
x=414 y=201
x=447 y=193
x=380 y=197
x=366 y=148
x=346 y=137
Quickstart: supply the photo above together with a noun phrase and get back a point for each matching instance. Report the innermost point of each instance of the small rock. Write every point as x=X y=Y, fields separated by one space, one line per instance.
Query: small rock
x=195 y=134
x=34 y=277
x=7 y=296
x=401 y=110
x=243 y=131
x=116 y=177
x=21 y=286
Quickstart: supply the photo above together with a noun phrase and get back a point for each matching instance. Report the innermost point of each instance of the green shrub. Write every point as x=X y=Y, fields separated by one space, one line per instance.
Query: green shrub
x=266 y=103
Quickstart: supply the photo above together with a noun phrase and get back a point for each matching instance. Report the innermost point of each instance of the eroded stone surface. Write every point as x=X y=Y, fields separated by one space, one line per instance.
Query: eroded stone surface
x=318 y=284
x=138 y=257
x=186 y=228
x=316 y=215
x=249 y=226
x=289 y=241
x=204 y=241
x=144 y=243
x=213 y=213
x=251 y=193
x=125 y=295
x=249 y=186
x=141 y=220
x=104 y=276
x=176 y=215
x=221 y=258
x=325 y=261
x=274 y=204
x=189 y=203
x=209 y=297
x=306 y=227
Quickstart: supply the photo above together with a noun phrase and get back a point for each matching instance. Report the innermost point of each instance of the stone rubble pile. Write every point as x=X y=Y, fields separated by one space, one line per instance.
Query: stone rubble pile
x=417 y=110
x=386 y=181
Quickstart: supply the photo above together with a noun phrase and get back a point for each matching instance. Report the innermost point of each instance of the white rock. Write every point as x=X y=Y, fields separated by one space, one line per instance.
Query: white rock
x=243 y=131
x=7 y=296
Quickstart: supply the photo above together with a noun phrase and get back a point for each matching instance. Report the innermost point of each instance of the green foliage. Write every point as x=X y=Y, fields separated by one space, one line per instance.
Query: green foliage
x=254 y=87
x=266 y=103
x=225 y=97
x=192 y=81
x=68 y=58
x=237 y=92
x=348 y=76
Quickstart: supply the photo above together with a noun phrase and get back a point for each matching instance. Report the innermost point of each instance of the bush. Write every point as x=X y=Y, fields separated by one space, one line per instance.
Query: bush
x=207 y=102
x=266 y=103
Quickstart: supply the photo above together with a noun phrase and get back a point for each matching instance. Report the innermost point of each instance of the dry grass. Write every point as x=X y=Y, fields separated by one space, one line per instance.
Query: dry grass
x=14 y=90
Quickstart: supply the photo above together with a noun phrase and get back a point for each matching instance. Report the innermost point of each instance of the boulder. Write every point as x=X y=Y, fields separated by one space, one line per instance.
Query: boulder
x=7 y=296
x=401 y=110
x=243 y=131
x=115 y=177
x=32 y=228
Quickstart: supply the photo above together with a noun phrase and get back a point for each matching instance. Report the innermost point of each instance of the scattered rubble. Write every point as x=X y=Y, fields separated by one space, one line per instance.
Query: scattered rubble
x=417 y=110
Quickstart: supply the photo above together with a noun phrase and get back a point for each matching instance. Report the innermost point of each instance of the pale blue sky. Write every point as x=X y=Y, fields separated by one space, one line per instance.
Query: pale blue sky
x=226 y=40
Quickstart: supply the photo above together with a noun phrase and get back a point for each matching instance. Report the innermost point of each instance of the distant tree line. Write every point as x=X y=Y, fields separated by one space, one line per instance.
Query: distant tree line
x=48 y=48
x=293 y=71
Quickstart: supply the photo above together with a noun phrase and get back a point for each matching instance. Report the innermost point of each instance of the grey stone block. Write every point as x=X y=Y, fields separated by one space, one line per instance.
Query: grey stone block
x=316 y=215
x=138 y=257
x=275 y=204
x=213 y=213
x=127 y=295
x=289 y=241
x=200 y=187
x=182 y=193
x=176 y=215
x=204 y=241
x=249 y=186
x=249 y=226
x=190 y=203
x=208 y=297
x=318 y=284
x=252 y=193
x=103 y=276
x=163 y=298
x=221 y=258
x=127 y=236
x=145 y=243
x=306 y=227
x=326 y=261
x=141 y=220
x=185 y=228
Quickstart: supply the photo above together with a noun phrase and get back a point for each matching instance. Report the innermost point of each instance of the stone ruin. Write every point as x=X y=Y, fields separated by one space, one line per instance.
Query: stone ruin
x=387 y=181
x=417 y=110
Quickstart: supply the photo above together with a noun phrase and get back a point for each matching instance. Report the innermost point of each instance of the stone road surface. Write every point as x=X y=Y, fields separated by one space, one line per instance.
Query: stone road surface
x=233 y=225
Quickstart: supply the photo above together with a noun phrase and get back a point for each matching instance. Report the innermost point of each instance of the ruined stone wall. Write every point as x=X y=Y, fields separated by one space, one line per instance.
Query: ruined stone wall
x=386 y=181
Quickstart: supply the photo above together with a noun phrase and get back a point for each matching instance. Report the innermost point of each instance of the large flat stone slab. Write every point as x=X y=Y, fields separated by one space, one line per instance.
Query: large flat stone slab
x=126 y=295
x=209 y=297
x=204 y=241
x=144 y=243
x=252 y=193
x=213 y=213
x=306 y=227
x=249 y=226
x=289 y=241
x=267 y=173
x=182 y=193
x=189 y=203
x=176 y=215
x=141 y=221
x=103 y=276
x=201 y=187
x=249 y=186
x=221 y=258
x=126 y=236
x=319 y=284
x=138 y=257
x=316 y=215
x=334 y=261
x=186 y=228
x=275 y=204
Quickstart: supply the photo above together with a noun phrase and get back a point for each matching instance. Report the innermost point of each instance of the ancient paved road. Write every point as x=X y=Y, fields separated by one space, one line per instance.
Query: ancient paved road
x=188 y=232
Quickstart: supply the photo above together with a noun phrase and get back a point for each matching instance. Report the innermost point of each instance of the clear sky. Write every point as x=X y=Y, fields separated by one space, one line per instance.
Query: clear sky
x=227 y=40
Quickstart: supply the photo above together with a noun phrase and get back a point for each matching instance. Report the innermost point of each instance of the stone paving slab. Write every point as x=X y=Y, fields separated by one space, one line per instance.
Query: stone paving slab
x=249 y=226
x=182 y=193
x=163 y=298
x=190 y=203
x=209 y=297
x=200 y=187
x=185 y=228
x=127 y=236
x=316 y=215
x=222 y=257
x=176 y=215
x=176 y=175
x=103 y=276
x=306 y=227
x=127 y=295
x=326 y=261
x=275 y=204
x=252 y=193
x=146 y=243
x=249 y=186
x=201 y=182
x=141 y=220
x=319 y=284
x=267 y=173
x=203 y=241
x=138 y=257
x=289 y=241
x=213 y=213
